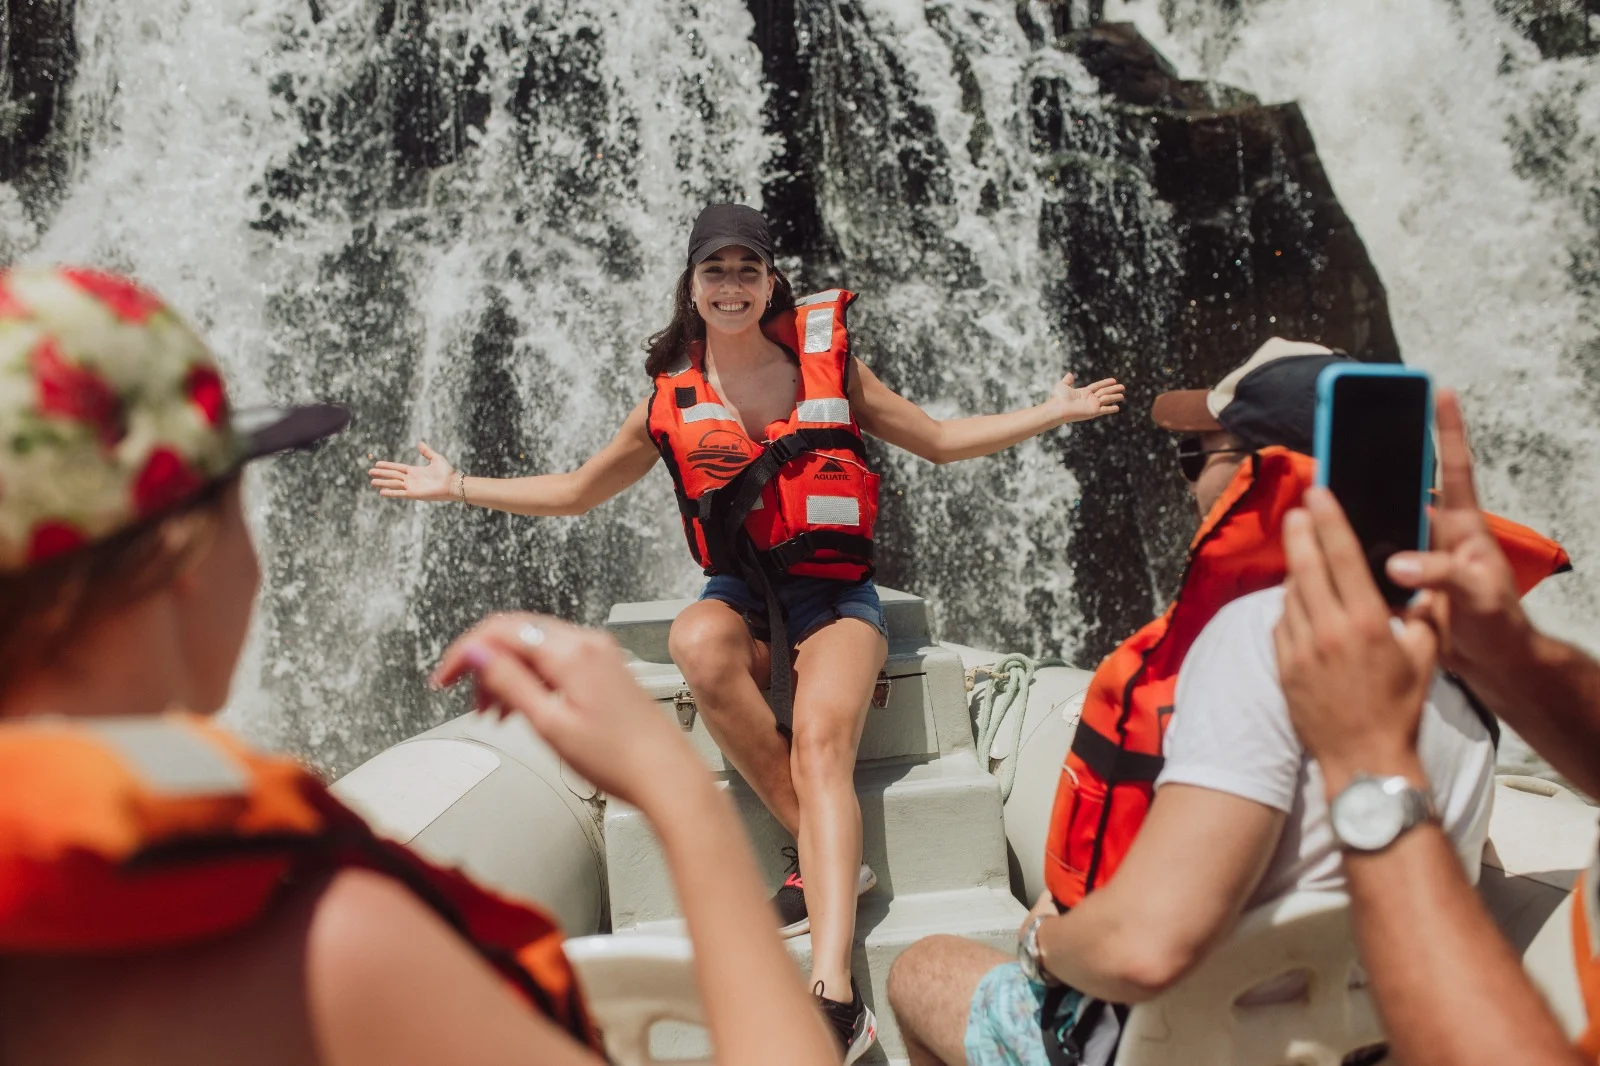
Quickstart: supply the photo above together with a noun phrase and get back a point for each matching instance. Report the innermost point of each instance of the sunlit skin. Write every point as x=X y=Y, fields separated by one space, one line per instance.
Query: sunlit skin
x=808 y=787
x=1220 y=467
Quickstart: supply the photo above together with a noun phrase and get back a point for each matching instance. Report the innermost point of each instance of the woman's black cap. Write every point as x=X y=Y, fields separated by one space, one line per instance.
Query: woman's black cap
x=721 y=225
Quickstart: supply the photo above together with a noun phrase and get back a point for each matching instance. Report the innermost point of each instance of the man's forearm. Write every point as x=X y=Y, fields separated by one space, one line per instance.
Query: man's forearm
x=1449 y=988
x=1549 y=692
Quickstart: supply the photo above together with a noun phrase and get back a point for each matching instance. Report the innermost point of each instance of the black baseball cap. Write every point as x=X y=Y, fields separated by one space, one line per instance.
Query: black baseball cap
x=1271 y=399
x=722 y=225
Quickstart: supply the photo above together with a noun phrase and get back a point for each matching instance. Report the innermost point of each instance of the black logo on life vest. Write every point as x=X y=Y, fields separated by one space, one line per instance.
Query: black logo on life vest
x=832 y=470
x=720 y=454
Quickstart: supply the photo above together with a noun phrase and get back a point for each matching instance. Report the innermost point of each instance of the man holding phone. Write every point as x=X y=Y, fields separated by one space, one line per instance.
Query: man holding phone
x=1448 y=986
x=1184 y=760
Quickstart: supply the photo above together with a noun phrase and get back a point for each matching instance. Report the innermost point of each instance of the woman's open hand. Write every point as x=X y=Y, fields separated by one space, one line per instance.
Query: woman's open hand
x=574 y=686
x=432 y=482
x=1104 y=397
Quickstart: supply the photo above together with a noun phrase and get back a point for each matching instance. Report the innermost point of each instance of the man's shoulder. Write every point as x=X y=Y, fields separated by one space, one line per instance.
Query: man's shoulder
x=1250 y=613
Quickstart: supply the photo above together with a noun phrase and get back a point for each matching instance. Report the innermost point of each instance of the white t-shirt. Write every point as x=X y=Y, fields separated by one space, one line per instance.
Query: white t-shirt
x=1230 y=732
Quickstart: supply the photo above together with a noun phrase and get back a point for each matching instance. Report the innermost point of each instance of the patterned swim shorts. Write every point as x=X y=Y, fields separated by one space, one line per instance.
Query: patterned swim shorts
x=1005 y=1026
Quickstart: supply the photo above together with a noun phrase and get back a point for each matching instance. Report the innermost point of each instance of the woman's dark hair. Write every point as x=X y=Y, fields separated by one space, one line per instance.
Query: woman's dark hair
x=42 y=608
x=671 y=345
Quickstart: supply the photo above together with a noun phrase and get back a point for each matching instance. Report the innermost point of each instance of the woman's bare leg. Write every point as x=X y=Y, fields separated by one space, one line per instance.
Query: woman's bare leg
x=723 y=665
x=836 y=667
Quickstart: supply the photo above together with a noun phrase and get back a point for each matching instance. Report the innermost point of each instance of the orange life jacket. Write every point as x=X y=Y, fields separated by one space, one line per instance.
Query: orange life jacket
x=804 y=495
x=137 y=833
x=1108 y=779
x=1586 y=953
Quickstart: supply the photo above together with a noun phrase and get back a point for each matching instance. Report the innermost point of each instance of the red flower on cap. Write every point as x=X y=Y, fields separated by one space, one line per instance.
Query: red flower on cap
x=10 y=306
x=125 y=299
x=204 y=389
x=53 y=538
x=71 y=391
x=165 y=480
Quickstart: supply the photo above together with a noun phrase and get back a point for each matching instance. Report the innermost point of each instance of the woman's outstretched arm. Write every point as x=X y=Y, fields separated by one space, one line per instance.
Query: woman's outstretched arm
x=613 y=468
x=896 y=420
x=574 y=687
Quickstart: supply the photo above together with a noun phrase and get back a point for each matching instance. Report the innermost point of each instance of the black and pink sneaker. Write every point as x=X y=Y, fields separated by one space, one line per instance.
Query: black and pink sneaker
x=852 y=1023
x=790 y=900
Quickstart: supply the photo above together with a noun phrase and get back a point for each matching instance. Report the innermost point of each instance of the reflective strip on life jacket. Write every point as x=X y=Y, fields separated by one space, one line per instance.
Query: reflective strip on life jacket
x=802 y=501
x=144 y=833
x=1108 y=777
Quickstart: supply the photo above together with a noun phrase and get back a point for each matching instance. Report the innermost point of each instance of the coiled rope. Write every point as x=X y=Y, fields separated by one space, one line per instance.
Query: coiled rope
x=1010 y=682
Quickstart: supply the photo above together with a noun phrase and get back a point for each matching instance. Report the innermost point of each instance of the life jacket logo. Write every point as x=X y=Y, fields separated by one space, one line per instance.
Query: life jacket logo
x=832 y=470
x=720 y=454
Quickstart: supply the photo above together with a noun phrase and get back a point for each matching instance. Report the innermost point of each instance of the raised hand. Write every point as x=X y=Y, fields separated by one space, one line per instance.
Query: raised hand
x=1470 y=594
x=574 y=687
x=1104 y=397
x=1355 y=687
x=435 y=481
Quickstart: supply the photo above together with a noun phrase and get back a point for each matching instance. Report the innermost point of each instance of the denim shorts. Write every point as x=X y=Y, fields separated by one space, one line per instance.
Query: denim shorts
x=808 y=603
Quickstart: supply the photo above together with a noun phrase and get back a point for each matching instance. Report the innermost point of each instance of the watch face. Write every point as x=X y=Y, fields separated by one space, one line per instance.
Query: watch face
x=1367 y=817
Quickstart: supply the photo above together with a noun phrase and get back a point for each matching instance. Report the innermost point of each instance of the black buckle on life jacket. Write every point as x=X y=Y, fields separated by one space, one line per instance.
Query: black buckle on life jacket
x=785 y=449
x=807 y=545
x=1112 y=762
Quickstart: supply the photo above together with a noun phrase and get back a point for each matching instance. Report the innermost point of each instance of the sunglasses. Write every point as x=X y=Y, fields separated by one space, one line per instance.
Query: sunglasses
x=1192 y=457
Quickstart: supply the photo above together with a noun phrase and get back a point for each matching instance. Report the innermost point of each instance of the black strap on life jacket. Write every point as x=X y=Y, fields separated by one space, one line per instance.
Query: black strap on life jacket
x=1113 y=763
x=798 y=549
x=722 y=510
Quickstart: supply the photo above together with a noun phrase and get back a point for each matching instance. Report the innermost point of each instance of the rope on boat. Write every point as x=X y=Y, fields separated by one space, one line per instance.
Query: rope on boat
x=1010 y=682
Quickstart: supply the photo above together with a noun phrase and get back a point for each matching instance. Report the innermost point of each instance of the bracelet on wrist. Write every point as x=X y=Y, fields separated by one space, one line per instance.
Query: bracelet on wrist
x=461 y=485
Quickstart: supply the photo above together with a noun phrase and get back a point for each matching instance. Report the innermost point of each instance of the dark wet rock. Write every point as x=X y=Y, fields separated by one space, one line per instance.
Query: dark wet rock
x=1261 y=247
x=1559 y=28
x=38 y=56
x=1184 y=223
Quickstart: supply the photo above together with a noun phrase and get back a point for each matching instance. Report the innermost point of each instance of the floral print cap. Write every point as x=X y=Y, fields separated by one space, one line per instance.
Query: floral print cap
x=112 y=411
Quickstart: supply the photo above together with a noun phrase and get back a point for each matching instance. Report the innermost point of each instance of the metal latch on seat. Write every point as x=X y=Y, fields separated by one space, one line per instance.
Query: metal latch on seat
x=880 y=691
x=683 y=703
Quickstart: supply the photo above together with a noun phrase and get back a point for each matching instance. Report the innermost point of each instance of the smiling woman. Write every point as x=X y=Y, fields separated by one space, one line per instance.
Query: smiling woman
x=758 y=411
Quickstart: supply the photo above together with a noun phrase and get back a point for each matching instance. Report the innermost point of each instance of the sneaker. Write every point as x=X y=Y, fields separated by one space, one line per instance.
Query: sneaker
x=790 y=900
x=852 y=1023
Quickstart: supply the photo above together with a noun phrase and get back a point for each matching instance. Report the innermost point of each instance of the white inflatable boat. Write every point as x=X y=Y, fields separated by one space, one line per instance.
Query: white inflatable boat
x=952 y=855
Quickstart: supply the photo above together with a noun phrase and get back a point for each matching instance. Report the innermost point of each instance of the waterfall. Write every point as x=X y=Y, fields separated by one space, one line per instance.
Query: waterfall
x=1461 y=136
x=462 y=217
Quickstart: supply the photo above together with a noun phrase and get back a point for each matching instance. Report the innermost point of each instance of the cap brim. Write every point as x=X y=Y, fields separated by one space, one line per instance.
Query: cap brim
x=706 y=249
x=269 y=431
x=1184 y=411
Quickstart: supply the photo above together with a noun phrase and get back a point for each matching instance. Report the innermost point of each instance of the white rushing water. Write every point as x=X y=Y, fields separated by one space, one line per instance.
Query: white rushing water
x=1466 y=161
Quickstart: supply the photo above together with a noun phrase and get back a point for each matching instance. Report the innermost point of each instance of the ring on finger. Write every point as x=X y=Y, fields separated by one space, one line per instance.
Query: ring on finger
x=530 y=635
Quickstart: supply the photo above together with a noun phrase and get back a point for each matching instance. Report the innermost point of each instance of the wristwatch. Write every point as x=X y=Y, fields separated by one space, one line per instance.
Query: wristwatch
x=1372 y=812
x=1028 y=954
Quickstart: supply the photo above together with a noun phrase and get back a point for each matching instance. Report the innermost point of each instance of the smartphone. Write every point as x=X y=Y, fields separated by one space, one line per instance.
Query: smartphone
x=1374 y=451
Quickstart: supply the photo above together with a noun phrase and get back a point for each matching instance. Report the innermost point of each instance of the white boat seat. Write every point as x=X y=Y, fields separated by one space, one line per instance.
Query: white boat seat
x=632 y=983
x=1302 y=947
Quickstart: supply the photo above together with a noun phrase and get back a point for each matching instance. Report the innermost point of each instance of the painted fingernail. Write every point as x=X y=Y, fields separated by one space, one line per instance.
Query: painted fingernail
x=476 y=656
x=1401 y=567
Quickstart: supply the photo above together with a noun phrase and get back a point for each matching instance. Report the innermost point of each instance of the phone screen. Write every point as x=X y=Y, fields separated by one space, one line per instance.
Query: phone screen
x=1376 y=450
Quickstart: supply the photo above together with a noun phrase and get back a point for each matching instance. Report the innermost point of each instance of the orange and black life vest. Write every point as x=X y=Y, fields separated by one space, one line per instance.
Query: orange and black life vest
x=138 y=833
x=1108 y=779
x=802 y=501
